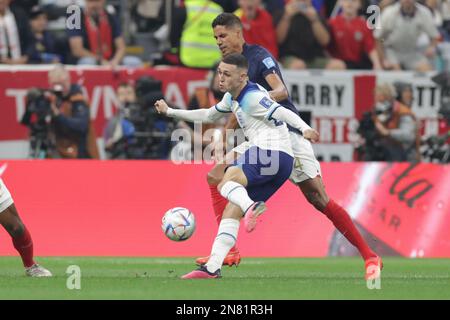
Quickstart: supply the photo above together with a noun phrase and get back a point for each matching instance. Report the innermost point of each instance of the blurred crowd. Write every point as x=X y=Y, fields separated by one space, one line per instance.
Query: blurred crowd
x=319 y=34
x=300 y=34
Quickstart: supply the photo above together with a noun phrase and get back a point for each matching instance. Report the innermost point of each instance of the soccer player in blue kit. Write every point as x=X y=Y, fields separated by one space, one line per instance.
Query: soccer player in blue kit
x=306 y=174
x=261 y=169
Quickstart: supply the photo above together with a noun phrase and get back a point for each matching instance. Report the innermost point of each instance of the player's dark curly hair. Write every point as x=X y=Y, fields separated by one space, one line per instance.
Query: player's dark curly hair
x=236 y=59
x=227 y=20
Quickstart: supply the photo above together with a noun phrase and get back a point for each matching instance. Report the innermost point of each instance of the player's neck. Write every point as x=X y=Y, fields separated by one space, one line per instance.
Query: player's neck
x=237 y=92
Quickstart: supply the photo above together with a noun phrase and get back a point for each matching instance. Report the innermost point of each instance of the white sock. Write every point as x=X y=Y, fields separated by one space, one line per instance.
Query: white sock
x=236 y=194
x=225 y=240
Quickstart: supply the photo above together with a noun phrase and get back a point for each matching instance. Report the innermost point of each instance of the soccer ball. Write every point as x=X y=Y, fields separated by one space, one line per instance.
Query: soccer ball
x=178 y=224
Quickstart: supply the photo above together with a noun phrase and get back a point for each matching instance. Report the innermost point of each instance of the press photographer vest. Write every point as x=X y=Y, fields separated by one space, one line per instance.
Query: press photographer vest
x=198 y=48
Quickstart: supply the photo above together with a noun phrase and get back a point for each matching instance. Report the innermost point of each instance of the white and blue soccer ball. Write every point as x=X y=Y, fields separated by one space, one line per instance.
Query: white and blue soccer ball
x=178 y=224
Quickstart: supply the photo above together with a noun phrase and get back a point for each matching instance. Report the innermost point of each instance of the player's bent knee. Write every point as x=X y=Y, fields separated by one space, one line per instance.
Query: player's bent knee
x=213 y=179
x=315 y=199
x=216 y=175
x=15 y=229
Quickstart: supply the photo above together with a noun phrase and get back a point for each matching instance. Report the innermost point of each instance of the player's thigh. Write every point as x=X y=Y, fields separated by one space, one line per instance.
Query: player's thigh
x=216 y=174
x=232 y=211
x=6 y=201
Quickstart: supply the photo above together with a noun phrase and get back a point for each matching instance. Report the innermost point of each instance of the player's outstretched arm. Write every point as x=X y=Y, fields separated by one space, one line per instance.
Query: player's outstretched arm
x=201 y=115
x=295 y=121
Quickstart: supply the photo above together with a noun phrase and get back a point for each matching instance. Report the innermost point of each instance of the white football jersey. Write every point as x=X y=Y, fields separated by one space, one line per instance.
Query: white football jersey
x=253 y=109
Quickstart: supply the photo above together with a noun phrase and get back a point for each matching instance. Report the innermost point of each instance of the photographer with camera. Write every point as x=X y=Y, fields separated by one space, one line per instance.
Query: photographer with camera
x=391 y=130
x=137 y=131
x=119 y=133
x=59 y=120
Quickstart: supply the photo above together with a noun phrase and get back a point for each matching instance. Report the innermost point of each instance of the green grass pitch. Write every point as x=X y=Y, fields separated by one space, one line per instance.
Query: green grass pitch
x=255 y=278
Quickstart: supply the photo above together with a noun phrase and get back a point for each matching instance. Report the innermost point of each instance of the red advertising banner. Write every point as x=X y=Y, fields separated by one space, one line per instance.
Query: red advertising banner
x=114 y=208
x=99 y=85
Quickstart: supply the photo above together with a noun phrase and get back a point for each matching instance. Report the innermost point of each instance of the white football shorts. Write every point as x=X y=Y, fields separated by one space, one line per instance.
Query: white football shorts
x=5 y=197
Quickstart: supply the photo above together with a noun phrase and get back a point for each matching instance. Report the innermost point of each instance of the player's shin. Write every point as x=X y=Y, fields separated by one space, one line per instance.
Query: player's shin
x=225 y=240
x=24 y=245
x=342 y=221
x=236 y=194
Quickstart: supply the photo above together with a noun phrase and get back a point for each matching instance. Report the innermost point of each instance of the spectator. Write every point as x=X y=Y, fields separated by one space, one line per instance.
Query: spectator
x=149 y=30
x=272 y=6
x=435 y=8
x=148 y=15
x=192 y=35
x=119 y=131
x=100 y=40
x=404 y=92
x=228 y=5
x=43 y=49
x=74 y=135
x=57 y=12
x=351 y=39
x=25 y=5
x=401 y=26
x=15 y=34
x=445 y=12
x=397 y=126
x=302 y=35
x=254 y=19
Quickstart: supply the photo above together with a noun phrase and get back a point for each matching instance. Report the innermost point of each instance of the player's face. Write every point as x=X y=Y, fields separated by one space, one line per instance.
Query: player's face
x=230 y=77
x=228 y=39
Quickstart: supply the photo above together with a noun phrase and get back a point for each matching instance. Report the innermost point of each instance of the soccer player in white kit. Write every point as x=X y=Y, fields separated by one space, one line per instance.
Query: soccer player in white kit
x=21 y=237
x=262 y=169
x=306 y=175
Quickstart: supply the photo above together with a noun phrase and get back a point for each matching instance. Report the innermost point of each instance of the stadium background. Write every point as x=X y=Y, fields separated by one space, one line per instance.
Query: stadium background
x=113 y=208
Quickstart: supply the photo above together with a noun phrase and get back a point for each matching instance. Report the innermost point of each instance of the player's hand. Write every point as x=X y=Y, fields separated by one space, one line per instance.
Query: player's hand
x=161 y=106
x=311 y=135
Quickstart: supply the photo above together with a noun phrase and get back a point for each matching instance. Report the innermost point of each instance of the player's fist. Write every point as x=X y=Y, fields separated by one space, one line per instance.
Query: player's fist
x=161 y=106
x=311 y=134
